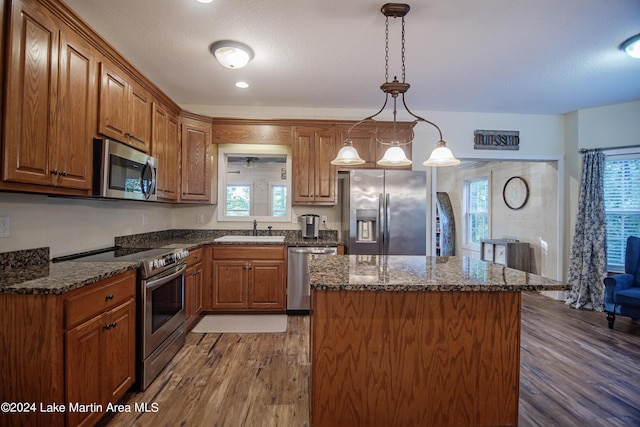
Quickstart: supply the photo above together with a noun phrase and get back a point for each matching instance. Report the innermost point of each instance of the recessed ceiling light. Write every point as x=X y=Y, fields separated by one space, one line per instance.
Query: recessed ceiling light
x=204 y=1
x=242 y=85
x=231 y=54
x=632 y=46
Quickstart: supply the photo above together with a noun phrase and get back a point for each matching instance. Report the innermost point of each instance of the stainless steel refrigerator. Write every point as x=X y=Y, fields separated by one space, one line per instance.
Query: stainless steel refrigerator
x=384 y=212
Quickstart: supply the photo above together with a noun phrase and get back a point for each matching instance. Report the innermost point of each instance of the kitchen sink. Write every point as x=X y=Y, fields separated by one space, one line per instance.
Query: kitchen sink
x=250 y=239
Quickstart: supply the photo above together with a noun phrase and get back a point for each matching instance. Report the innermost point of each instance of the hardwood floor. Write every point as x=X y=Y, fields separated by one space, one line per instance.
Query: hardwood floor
x=575 y=371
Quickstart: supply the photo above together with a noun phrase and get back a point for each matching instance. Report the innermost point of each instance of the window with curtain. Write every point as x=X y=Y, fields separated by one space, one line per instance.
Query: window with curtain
x=621 y=205
x=476 y=199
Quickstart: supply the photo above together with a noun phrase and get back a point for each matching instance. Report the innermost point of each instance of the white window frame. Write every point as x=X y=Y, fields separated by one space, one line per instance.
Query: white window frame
x=467 y=211
x=619 y=155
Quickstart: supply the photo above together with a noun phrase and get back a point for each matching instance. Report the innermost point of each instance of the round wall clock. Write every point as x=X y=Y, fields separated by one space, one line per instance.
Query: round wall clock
x=515 y=192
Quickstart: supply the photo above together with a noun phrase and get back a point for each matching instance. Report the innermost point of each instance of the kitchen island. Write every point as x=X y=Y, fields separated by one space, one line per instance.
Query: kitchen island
x=416 y=341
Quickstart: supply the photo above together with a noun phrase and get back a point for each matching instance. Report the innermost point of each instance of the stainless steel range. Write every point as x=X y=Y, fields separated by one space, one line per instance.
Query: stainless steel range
x=160 y=303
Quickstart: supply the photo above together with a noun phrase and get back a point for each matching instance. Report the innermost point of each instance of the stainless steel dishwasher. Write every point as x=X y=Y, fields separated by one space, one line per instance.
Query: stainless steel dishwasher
x=298 y=290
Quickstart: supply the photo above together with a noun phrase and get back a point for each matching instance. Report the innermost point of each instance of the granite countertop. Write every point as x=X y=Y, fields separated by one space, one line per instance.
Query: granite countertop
x=58 y=278
x=30 y=272
x=420 y=273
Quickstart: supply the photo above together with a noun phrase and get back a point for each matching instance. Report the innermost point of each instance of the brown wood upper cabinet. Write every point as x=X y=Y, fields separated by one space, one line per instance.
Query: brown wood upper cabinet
x=124 y=109
x=196 y=159
x=314 y=177
x=50 y=107
x=166 y=148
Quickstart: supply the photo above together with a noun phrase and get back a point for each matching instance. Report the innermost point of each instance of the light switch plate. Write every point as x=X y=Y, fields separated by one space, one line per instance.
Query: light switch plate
x=5 y=226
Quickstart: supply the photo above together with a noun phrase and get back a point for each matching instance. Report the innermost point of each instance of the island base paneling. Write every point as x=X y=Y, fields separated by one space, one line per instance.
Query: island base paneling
x=415 y=358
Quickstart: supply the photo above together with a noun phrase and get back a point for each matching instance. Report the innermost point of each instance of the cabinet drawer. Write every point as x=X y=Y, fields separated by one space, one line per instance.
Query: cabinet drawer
x=500 y=254
x=95 y=299
x=249 y=252
x=195 y=256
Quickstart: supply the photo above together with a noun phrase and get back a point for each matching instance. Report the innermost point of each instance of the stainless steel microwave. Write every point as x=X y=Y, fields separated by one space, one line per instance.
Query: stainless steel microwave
x=122 y=172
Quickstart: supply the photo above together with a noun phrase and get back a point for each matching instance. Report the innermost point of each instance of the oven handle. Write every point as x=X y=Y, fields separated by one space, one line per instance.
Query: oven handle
x=157 y=282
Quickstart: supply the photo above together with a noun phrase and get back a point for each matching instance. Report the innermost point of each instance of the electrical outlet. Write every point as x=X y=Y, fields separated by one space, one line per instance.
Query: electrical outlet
x=324 y=219
x=145 y=219
x=5 y=226
x=199 y=218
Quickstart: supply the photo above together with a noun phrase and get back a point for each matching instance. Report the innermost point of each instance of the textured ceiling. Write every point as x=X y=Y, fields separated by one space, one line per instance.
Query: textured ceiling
x=516 y=56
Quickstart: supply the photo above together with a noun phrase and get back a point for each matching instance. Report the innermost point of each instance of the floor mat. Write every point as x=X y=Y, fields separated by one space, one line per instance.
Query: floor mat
x=241 y=324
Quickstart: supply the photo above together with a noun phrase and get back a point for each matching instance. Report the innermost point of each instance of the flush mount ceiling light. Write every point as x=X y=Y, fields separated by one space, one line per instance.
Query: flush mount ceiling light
x=231 y=54
x=632 y=46
x=394 y=156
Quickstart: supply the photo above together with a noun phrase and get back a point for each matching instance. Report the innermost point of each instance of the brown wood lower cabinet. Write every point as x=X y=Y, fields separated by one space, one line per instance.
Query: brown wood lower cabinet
x=414 y=358
x=193 y=282
x=248 y=278
x=76 y=349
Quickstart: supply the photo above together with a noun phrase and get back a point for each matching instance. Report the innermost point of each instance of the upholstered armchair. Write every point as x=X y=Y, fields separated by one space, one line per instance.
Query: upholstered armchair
x=622 y=291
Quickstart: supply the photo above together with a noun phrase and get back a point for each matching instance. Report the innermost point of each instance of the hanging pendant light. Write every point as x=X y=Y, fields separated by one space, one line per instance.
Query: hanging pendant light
x=347 y=155
x=395 y=155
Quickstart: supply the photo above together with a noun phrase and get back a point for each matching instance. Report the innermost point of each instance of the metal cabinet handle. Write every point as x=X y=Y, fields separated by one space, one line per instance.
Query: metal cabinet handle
x=54 y=172
x=109 y=297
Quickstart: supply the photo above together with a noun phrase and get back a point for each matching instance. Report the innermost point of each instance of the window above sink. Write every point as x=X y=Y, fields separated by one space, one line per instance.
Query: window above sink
x=254 y=183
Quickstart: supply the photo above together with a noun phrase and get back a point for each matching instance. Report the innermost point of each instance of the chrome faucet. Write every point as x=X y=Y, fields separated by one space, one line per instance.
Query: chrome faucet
x=255 y=227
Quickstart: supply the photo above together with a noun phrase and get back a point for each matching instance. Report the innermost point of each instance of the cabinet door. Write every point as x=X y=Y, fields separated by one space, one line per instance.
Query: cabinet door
x=77 y=112
x=32 y=78
x=139 y=118
x=230 y=284
x=172 y=154
x=197 y=289
x=84 y=369
x=159 y=124
x=303 y=159
x=487 y=251
x=119 y=368
x=189 y=293
x=325 y=172
x=500 y=254
x=196 y=165
x=314 y=179
x=267 y=285
x=112 y=104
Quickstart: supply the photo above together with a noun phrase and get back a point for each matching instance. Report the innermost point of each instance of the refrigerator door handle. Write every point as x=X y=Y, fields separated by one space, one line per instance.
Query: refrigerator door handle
x=382 y=238
x=387 y=224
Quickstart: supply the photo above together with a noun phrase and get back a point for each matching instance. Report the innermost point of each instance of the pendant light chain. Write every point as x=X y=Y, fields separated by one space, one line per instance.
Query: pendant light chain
x=394 y=155
x=403 y=72
x=386 y=50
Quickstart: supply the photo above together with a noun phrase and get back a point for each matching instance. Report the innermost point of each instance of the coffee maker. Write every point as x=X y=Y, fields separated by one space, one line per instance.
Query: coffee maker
x=310 y=226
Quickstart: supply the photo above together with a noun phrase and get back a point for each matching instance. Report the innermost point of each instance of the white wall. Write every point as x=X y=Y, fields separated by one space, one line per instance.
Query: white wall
x=69 y=225
x=536 y=223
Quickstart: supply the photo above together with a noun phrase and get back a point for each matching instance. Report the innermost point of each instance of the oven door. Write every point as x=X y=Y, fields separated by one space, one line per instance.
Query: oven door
x=163 y=307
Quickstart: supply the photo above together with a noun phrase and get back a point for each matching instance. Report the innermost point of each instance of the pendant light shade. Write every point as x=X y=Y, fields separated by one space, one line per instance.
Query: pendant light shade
x=394 y=156
x=441 y=156
x=347 y=156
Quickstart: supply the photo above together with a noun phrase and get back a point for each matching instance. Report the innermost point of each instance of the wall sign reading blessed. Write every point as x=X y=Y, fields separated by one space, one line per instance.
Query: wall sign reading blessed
x=496 y=140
